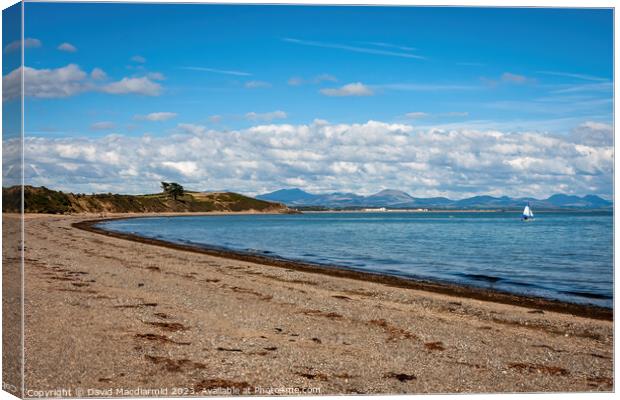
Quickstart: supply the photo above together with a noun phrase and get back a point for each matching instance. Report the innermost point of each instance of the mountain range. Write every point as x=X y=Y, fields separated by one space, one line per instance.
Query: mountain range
x=399 y=199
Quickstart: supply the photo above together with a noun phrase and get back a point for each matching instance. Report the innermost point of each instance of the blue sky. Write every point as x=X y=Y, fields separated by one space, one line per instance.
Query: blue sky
x=98 y=70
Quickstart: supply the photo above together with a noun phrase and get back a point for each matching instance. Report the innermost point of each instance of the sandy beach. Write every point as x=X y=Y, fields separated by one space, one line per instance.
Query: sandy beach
x=104 y=313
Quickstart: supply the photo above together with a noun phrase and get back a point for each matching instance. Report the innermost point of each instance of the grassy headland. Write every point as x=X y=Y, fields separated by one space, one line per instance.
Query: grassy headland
x=47 y=201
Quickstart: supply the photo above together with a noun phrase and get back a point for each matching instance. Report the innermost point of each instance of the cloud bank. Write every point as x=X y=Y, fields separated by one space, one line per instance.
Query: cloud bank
x=319 y=157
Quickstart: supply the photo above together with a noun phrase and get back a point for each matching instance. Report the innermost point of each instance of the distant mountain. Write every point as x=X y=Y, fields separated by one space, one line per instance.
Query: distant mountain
x=399 y=199
x=589 y=201
x=288 y=196
x=389 y=197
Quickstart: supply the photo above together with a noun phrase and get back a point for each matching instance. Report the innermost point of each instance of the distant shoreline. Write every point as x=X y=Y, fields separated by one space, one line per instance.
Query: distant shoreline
x=534 y=302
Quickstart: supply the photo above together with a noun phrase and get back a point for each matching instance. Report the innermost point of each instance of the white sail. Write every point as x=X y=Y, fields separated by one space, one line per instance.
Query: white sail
x=527 y=212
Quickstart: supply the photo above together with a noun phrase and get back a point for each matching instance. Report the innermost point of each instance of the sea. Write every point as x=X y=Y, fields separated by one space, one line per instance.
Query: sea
x=566 y=256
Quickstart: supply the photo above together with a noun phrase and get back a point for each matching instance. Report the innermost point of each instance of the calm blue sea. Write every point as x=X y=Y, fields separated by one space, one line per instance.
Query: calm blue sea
x=560 y=255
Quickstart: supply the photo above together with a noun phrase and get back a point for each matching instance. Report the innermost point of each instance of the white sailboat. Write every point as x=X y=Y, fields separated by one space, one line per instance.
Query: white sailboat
x=528 y=215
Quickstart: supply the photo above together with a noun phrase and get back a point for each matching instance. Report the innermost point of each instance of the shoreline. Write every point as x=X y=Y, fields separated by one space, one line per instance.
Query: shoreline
x=464 y=291
x=157 y=316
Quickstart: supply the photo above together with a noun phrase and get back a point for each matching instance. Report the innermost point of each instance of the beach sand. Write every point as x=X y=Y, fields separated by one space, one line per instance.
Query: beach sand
x=107 y=313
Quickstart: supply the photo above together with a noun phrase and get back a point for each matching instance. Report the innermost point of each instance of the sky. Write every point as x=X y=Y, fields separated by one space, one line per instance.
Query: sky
x=433 y=101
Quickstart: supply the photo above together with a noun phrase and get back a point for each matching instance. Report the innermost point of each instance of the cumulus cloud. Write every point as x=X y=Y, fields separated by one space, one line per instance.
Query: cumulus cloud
x=68 y=47
x=322 y=157
x=71 y=80
x=143 y=86
x=192 y=129
x=185 y=168
x=351 y=89
x=257 y=84
x=98 y=74
x=268 y=116
x=594 y=134
x=103 y=126
x=156 y=116
x=44 y=83
x=17 y=44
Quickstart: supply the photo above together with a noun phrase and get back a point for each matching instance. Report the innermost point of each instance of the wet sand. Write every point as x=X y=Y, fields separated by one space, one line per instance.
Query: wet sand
x=104 y=313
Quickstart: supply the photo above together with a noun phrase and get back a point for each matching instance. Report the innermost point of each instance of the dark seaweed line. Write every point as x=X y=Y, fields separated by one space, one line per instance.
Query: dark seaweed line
x=581 y=310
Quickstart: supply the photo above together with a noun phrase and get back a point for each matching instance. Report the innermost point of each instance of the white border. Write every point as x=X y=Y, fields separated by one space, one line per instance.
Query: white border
x=447 y=3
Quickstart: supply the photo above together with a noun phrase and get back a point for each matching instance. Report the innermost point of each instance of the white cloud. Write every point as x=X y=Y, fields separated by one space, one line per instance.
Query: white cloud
x=143 y=86
x=156 y=76
x=351 y=89
x=269 y=116
x=156 y=116
x=594 y=134
x=98 y=74
x=17 y=44
x=416 y=115
x=103 y=125
x=321 y=157
x=186 y=168
x=138 y=59
x=44 y=83
x=68 y=47
x=71 y=80
x=192 y=129
x=215 y=119
x=257 y=84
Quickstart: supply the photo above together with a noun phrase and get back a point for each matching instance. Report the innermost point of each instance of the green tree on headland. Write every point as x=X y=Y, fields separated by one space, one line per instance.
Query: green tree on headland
x=172 y=189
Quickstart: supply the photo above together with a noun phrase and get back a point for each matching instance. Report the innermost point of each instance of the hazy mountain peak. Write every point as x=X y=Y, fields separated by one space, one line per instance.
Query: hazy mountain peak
x=399 y=199
x=391 y=192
